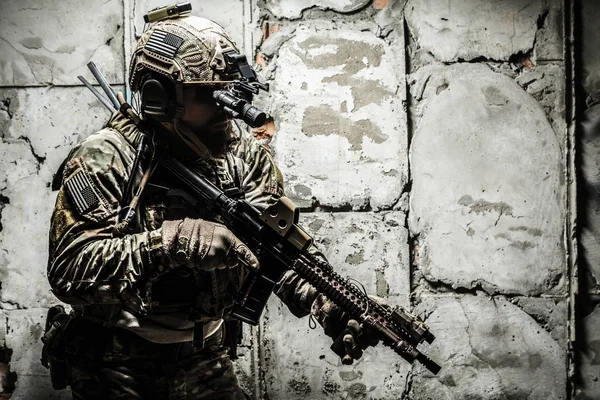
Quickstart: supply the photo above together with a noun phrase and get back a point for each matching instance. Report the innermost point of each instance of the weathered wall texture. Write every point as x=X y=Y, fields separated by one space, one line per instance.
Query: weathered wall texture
x=427 y=142
x=588 y=311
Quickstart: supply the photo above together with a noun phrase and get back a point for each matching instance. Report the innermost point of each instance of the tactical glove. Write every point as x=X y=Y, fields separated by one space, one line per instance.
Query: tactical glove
x=204 y=245
x=337 y=325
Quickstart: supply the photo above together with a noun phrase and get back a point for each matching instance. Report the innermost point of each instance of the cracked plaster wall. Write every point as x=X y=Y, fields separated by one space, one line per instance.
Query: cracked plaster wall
x=588 y=362
x=425 y=141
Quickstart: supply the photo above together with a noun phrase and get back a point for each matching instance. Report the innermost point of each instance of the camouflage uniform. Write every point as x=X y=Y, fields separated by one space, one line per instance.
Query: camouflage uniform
x=136 y=316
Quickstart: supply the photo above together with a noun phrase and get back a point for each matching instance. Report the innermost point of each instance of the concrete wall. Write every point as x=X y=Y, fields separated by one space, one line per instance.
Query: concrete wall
x=588 y=311
x=427 y=142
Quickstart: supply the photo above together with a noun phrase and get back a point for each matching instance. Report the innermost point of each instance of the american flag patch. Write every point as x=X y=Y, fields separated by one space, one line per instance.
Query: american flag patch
x=164 y=43
x=81 y=192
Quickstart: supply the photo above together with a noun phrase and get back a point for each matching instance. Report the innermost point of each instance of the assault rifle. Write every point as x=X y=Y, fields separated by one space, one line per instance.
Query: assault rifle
x=280 y=244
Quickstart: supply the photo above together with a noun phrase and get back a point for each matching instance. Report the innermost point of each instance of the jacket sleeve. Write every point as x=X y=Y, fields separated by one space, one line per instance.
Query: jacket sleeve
x=87 y=265
x=262 y=183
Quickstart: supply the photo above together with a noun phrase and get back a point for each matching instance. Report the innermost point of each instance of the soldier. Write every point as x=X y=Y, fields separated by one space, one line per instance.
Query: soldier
x=151 y=300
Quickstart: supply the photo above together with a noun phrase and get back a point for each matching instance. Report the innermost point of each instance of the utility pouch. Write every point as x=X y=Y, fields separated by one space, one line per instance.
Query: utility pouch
x=53 y=352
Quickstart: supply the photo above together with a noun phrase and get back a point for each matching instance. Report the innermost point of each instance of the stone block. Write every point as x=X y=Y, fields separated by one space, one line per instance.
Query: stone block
x=24 y=331
x=370 y=247
x=488 y=193
x=589 y=197
x=550 y=313
x=51 y=42
x=549 y=39
x=488 y=349
x=296 y=361
x=546 y=83
x=228 y=13
x=463 y=30
x=298 y=364
x=588 y=386
x=337 y=100
x=294 y=9
x=590 y=37
x=36 y=136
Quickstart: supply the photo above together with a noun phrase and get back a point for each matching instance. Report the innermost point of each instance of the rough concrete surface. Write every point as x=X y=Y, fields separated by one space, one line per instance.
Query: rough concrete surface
x=296 y=360
x=292 y=9
x=477 y=205
x=35 y=138
x=588 y=384
x=24 y=329
x=590 y=37
x=546 y=84
x=50 y=42
x=370 y=247
x=337 y=104
x=550 y=313
x=589 y=202
x=463 y=30
x=482 y=220
x=228 y=13
x=489 y=349
x=549 y=42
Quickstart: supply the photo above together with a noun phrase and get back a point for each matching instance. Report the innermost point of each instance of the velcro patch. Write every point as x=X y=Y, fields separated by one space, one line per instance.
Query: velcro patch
x=80 y=190
x=164 y=43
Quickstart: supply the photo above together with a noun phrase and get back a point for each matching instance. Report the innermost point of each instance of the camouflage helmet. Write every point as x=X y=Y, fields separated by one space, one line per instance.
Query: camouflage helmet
x=186 y=50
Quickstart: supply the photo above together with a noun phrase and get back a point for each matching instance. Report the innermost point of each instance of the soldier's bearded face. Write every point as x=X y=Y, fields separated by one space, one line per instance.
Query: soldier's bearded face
x=201 y=113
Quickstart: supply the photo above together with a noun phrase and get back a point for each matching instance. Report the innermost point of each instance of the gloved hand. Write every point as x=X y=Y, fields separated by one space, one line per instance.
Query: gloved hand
x=205 y=245
x=337 y=325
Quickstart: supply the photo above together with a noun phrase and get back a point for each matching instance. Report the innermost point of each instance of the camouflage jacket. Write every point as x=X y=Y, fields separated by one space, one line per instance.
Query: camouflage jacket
x=124 y=280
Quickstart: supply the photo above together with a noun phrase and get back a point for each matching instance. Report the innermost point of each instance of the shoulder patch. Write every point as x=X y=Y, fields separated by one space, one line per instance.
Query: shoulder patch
x=80 y=191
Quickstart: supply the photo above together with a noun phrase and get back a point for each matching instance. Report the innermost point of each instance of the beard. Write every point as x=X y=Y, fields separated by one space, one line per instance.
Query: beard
x=216 y=134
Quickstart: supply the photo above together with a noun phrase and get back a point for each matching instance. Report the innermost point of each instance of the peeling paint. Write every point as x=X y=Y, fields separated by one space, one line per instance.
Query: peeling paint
x=352 y=55
x=382 y=287
x=299 y=386
x=32 y=43
x=302 y=190
x=322 y=120
x=494 y=97
x=316 y=224
x=531 y=231
x=484 y=206
x=356 y=258
x=357 y=391
x=522 y=245
x=349 y=376
x=364 y=91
